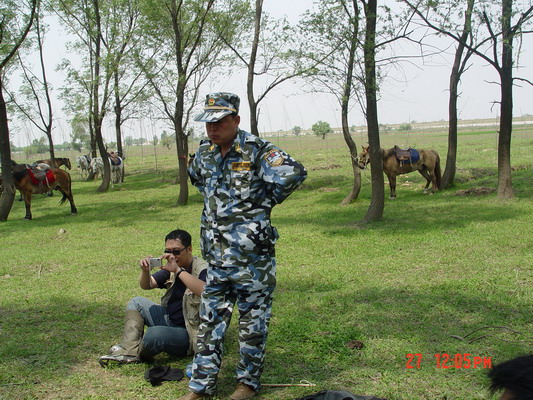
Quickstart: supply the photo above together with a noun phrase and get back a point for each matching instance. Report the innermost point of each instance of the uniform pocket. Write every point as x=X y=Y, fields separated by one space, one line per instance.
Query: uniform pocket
x=241 y=181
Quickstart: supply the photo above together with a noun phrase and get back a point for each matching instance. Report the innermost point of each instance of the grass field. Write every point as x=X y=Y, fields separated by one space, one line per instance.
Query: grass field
x=435 y=267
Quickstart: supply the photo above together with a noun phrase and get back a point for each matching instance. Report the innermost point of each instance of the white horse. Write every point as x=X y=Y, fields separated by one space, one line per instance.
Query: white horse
x=84 y=164
x=97 y=166
x=117 y=169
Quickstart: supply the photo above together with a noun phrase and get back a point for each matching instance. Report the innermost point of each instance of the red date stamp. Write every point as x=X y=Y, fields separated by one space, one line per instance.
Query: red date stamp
x=448 y=361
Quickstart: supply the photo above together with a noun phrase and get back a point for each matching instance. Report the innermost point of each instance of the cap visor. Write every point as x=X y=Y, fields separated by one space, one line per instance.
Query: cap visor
x=211 y=115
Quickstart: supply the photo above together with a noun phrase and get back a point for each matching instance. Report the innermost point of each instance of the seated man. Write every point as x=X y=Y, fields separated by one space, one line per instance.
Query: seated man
x=173 y=325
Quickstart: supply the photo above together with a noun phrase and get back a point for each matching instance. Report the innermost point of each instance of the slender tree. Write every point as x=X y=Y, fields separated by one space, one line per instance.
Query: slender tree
x=104 y=30
x=503 y=23
x=35 y=104
x=15 y=23
x=391 y=30
x=268 y=51
x=377 y=202
x=459 y=66
x=181 y=48
x=129 y=86
x=334 y=47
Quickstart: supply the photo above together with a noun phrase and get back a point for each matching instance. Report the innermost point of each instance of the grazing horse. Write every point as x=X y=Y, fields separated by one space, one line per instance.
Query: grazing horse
x=56 y=162
x=117 y=169
x=84 y=164
x=426 y=162
x=56 y=179
x=116 y=164
x=97 y=165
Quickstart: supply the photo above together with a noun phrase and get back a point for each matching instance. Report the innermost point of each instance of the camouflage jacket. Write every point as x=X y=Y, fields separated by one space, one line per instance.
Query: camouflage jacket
x=239 y=192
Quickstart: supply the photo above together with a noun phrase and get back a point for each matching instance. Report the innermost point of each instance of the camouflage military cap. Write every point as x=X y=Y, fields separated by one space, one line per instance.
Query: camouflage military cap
x=218 y=105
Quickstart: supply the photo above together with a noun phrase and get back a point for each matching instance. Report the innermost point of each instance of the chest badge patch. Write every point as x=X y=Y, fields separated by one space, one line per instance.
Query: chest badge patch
x=275 y=158
x=241 y=166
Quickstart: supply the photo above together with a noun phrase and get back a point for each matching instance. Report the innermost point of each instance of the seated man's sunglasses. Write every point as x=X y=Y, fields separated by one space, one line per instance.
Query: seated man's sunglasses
x=175 y=252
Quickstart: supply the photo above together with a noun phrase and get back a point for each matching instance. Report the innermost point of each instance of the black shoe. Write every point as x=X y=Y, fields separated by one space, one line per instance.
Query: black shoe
x=119 y=359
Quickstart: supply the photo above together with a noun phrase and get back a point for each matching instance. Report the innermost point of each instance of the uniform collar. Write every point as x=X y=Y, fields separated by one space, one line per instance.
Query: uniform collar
x=235 y=146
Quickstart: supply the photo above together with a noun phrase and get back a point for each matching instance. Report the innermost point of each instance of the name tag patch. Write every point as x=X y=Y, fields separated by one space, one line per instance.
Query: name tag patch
x=241 y=166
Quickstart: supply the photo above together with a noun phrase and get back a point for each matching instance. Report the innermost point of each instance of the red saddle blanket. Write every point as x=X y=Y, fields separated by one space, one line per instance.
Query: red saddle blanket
x=50 y=178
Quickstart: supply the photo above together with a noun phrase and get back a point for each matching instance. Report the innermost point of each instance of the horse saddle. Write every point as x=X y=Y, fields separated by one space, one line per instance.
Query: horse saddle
x=41 y=174
x=408 y=155
x=114 y=160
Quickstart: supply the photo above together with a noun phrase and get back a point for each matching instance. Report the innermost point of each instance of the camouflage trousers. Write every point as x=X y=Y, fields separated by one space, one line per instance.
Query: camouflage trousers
x=251 y=288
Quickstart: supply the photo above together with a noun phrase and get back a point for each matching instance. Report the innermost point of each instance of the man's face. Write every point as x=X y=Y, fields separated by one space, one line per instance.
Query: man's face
x=174 y=246
x=223 y=131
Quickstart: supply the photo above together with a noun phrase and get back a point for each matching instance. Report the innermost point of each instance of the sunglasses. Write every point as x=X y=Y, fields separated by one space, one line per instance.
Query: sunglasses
x=175 y=252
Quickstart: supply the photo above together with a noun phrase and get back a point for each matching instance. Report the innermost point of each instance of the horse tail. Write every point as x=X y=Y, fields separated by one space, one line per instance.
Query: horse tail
x=64 y=198
x=66 y=186
x=438 y=174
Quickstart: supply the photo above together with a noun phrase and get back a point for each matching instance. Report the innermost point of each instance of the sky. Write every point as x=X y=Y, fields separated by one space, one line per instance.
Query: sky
x=415 y=91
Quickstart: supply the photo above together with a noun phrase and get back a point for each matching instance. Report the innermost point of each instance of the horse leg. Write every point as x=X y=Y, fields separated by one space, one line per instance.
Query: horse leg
x=429 y=179
x=67 y=195
x=73 y=209
x=392 y=185
x=27 y=202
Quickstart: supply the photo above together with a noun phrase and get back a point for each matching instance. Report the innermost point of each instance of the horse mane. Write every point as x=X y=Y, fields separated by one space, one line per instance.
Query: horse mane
x=19 y=174
x=387 y=153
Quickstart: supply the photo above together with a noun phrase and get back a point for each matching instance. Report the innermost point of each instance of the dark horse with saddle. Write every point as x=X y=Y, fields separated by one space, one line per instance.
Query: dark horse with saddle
x=398 y=161
x=40 y=178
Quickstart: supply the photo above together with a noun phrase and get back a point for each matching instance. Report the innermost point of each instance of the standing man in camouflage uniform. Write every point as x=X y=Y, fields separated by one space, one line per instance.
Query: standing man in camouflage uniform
x=241 y=177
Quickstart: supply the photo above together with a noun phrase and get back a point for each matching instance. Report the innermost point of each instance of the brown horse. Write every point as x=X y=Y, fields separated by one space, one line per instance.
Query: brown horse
x=428 y=166
x=56 y=162
x=61 y=182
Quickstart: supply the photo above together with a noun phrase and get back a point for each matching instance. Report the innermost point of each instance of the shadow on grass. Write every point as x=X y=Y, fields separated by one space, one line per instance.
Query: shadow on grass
x=312 y=333
x=408 y=215
x=52 y=337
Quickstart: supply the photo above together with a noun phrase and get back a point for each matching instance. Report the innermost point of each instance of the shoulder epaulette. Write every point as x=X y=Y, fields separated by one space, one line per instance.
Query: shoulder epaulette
x=249 y=138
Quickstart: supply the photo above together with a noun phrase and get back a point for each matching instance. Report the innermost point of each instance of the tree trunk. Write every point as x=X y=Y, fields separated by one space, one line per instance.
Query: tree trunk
x=8 y=184
x=505 y=186
x=182 y=147
x=377 y=203
x=356 y=187
x=106 y=178
x=118 y=124
x=254 y=118
x=97 y=115
x=451 y=158
x=50 y=142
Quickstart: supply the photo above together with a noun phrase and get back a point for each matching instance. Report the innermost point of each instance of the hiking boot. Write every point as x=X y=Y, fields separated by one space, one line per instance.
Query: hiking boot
x=116 y=348
x=193 y=396
x=119 y=359
x=243 y=392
